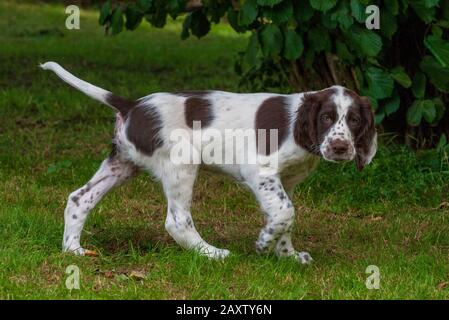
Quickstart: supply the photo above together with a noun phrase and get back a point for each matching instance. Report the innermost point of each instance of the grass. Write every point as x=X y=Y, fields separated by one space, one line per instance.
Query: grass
x=52 y=139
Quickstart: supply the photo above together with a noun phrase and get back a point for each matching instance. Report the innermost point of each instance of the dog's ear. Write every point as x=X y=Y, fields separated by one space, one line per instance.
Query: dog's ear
x=305 y=129
x=366 y=139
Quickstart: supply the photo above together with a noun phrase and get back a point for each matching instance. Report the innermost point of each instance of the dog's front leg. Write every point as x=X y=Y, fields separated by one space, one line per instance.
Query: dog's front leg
x=279 y=214
x=178 y=183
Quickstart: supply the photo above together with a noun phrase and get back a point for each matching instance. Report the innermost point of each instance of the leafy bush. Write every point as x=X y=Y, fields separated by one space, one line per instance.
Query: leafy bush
x=310 y=44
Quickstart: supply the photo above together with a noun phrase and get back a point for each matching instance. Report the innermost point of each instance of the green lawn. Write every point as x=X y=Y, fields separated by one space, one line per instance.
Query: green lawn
x=53 y=138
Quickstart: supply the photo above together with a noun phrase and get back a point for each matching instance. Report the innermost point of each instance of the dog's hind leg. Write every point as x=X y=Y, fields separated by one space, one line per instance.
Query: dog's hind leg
x=112 y=172
x=178 y=187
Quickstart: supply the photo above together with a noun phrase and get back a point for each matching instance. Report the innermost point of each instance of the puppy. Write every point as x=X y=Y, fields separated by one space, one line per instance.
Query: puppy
x=269 y=142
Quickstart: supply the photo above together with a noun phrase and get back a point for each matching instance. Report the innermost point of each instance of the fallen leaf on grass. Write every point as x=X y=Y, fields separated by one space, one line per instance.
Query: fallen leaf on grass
x=137 y=275
x=91 y=253
x=443 y=285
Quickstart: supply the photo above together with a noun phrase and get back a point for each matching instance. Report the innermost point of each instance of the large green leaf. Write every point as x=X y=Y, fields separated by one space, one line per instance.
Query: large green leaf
x=388 y=24
x=233 y=19
x=437 y=75
x=358 y=11
x=158 y=17
x=342 y=16
x=440 y=110
x=392 y=105
x=379 y=116
x=175 y=7
x=367 y=42
x=252 y=49
x=293 y=45
x=327 y=22
x=185 y=33
x=117 y=21
x=423 y=10
x=442 y=143
x=280 y=13
x=428 y=110
x=439 y=49
x=200 y=25
x=133 y=17
x=419 y=85
x=104 y=13
x=414 y=113
x=323 y=5
x=302 y=11
x=430 y=3
x=401 y=77
x=248 y=12
x=271 y=40
x=380 y=83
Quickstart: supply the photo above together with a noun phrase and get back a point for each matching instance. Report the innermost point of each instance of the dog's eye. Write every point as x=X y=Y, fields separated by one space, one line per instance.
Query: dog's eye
x=325 y=118
x=354 y=121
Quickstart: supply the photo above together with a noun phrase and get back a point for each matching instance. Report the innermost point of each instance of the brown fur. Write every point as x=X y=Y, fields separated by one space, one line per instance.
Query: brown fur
x=272 y=114
x=143 y=129
x=308 y=132
x=198 y=108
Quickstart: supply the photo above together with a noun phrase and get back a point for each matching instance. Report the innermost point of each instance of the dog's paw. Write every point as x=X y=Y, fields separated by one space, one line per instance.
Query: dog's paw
x=77 y=252
x=81 y=252
x=220 y=254
x=214 y=253
x=303 y=257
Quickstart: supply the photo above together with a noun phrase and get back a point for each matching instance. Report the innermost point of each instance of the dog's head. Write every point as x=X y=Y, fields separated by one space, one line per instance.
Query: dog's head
x=337 y=124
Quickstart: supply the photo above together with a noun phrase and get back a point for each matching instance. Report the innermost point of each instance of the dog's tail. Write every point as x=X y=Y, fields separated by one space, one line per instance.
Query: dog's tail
x=122 y=105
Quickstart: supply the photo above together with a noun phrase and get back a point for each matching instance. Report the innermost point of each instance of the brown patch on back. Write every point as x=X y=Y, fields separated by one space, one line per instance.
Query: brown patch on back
x=143 y=129
x=121 y=104
x=272 y=114
x=198 y=108
x=308 y=133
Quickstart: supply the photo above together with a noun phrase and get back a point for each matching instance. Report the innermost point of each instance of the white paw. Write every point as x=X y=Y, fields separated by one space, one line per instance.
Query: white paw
x=303 y=257
x=77 y=252
x=214 y=253
x=81 y=252
x=220 y=254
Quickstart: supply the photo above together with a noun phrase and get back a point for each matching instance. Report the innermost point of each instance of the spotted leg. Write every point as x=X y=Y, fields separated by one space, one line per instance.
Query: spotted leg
x=178 y=187
x=279 y=214
x=111 y=173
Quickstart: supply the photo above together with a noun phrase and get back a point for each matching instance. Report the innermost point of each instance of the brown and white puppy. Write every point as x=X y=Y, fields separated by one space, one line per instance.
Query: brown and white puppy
x=269 y=142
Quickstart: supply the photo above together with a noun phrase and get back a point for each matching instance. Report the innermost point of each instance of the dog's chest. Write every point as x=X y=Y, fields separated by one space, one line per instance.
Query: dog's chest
x=296 y=171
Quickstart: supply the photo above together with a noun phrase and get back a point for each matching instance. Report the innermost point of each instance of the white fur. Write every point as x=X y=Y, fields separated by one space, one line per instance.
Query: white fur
x=90 y=90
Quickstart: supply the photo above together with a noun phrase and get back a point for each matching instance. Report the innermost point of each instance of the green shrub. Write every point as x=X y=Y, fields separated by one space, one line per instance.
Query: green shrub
x=299 y=45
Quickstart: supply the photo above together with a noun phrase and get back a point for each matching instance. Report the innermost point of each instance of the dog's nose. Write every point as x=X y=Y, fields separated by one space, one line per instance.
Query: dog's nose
x=339 y=146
